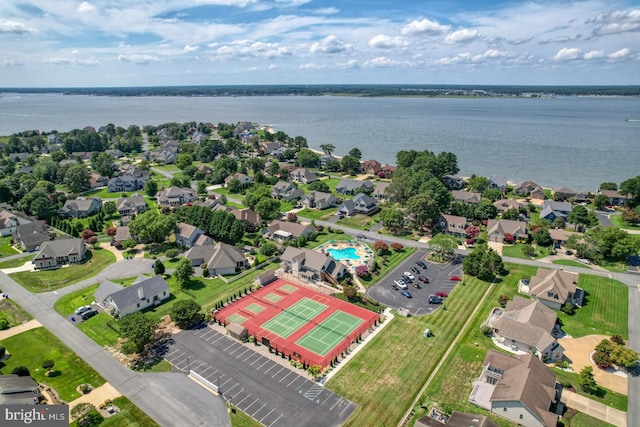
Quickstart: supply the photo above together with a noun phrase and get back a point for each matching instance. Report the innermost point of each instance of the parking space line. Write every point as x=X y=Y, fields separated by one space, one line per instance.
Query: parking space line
x=253 y=353
x=240 y=355
x=275 y=420
x=260 y=421
x=280 y=370
x=246 y=397
x=232 y=387
x=274 y=365
x=328 y=397
x=225 y=382
x=294 y=380
x=203 y=372
x=240 y=347
x=288 y=373
x=334 y=405
x=227 y=348
x=259 y=358
x=259 y=410
x=345 y=408
x=247 y=408
x=263 y=364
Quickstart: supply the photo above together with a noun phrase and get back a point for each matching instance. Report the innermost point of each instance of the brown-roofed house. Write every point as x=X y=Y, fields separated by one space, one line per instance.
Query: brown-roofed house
x=529 y=189
x=554 y=288
x=454 y=225
x=496 y=230
x=283 y=230
x=311 y=265
x=616 y=198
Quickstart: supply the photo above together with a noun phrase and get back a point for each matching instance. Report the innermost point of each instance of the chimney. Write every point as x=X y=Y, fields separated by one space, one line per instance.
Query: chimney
x=140 y=293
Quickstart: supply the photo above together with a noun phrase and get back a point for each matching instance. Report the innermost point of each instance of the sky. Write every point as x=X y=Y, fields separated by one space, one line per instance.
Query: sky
x=106 y=43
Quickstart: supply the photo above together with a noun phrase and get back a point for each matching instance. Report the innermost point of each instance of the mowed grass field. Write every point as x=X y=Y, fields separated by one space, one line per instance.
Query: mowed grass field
x=384 y=378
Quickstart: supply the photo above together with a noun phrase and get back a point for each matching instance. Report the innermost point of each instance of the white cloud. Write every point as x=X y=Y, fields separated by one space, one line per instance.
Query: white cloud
x=58 y=61
x=449 y=60
x=492 y=54
x=13 y=63
x=462 y=36
x=330 y=44
x=250 y=49
x=188 y=48
x=272 y=67
x=352 y=63
x=92 y=62
x=619 y=54
x=85 y=7
x=382 y=61
x=14 y=27
x=138 y=58
x=311 y=66
x=567 y=54
x=615 y=22
x=382 y=41
x=327 y=11
x=424 y=27
x=594 y=54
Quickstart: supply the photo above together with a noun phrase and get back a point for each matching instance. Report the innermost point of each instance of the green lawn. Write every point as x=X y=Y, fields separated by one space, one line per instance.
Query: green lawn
x=66 y=305
x=129 y=416
x=324 y=214
x=17 y=262
x=33 y=347
x=613 y=265
x=5 y=247
x=240 y=419
x=43 y=281
x=14 y=314
x=604 y=309
x=515 y=251
x=386 y=264
x=584 y=420
x=618 y=222
x=570 y=262
x=168 y=168
x=603 y=395
x=385 y=376
x=359 y=222
x=104 y=193
x=332 y=183
x=102 y=329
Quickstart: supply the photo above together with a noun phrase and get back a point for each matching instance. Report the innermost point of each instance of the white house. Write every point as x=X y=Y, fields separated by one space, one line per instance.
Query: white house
x=119 y=301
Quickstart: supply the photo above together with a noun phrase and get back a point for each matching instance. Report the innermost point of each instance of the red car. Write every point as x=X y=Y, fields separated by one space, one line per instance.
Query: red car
x=423 y=279
x=456 y=278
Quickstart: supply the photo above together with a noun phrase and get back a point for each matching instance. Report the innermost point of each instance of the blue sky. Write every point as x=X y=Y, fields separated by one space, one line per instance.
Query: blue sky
x=54 y=43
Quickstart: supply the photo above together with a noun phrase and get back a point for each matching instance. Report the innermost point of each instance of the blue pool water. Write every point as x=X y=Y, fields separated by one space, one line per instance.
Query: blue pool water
x=345 y=253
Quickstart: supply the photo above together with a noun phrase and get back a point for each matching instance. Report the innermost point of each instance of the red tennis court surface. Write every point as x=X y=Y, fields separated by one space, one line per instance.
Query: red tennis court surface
x=308 y=326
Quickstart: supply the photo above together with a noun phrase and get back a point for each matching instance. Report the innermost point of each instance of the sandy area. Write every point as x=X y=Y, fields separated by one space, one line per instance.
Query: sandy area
x=97 y=396
x=577 y=350
x=120 y=254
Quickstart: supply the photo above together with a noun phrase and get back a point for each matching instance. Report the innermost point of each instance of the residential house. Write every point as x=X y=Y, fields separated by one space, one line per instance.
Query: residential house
x=324 y=159
x=244 y=179
x=175 y=196
x=505 y=204
x=554 y=288
x=616 y=198
x=380 y=192
x=284 y=230
x=318 y=200
x=453 y=182
x=388 y=170
x=19 y=157
x=132 y=205
x=520 y=389
x=353 y=186
x=31 y=235
x=125 y=183
x=303 y=175
x=360 y=204
x=205 y=170
x=80 y=208
x=188 y=236
x=249 y=218
x=527 y=325
x=310 y=265
x=529 y=189
x=498 y=182
x=454 y=225
x=552 y=210
x=115 y=153
x=462 y=196
x=96 y=180
x=120 y=301
x=457 y=419
x=25 y=169
x=371 y=167
x=286 y=191
x=15 y=390
x=560 y=236
x=122 y=234
x=220 y=258
x=9 y=222
x=563 y=193
x=496 y=230
x=82 y=155
x=56 y=253
x=269 y=147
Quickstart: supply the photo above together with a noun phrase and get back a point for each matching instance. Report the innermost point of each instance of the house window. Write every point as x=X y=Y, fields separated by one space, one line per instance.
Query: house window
x=155 y=297
x=164 y=292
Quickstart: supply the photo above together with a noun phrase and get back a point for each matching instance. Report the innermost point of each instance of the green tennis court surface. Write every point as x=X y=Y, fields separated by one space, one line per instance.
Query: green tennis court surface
x=236 y=318
x=324 y=337
x=254 y=308
x=288 y=288
x=273 y=297
x=293 y=318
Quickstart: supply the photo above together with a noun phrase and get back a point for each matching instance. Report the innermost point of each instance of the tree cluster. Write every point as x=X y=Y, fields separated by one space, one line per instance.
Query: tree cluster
x=219 y=225
x=483 y=263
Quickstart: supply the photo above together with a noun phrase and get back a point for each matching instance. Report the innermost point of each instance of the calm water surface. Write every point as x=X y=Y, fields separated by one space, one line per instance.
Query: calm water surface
x=567 y=141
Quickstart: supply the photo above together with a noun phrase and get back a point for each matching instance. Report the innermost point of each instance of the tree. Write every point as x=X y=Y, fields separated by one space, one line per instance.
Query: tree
x=327 y=148
x=609 y=186
x=268 y=249
x=492 y=194
x=444 y=245
x=579 y=215
x=42 y=208
x=268 y=208
x=478 y=183
x=77 y=178
x=152 y=226
x=109 y=208
x=158 y=267
x=424 y=209
x=624 y=356
x=600 y=201
x=350 y=292
x=380 y=246
x=102 y=163
x=184 y=271
x=318 y=186
x=150 y=188
x=392 y=219
x=21 y=371
x=306 y=158
x=48 y=365
x=472 y=231
x=87 y=234
x=512 y=214
x=172 y=253
x=587 y=381
x=256 y=193
x=485 y=210
x=186 y=313
x=483 y=263
x=138 y=330
x=542 y=237
x=350 y=164
x=397 y=247
x=399 y=190
x=184 y=160
x=631 y=186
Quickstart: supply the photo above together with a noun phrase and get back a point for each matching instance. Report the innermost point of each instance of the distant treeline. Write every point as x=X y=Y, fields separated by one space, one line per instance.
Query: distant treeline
x=347 y=90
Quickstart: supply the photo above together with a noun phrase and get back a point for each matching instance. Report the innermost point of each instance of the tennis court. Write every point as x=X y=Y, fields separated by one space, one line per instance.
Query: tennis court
x=294 y=317
x=254 y=308
x=324 y=337
x=273 y=297
x=236 y=318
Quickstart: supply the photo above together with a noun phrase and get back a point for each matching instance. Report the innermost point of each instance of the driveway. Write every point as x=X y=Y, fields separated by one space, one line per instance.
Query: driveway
x=438 y=275
x=273 y=394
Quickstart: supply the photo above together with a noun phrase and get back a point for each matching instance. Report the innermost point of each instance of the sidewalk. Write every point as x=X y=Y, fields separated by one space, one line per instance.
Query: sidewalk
x=595 y=409
x=31 y=324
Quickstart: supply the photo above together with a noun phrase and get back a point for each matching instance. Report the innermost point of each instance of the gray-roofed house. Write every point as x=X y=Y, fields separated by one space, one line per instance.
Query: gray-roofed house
x=303 y=175
x=527 y=325
x=453 y=182
x=520 y=389
x=616 y=198
x=454 y=225
x=96 y=180
x=498 y=182
x=284 y=230
x=360 y=204
x=496 y=229
x=310 y=265
x=286 y=191
x=353 y=186
x=564 y=193
x=31 y=235
x=122 y=234
x=243 y=178
x=462 y=196
x=175 y=196
x=119 y=301
x=15 y=390
x=552 y=210
x=131 y=205
x=220 y=259
x=125 y=183
x=318 y=200
x=529 y=189
x=9 y=222
x=380 y=192
x=188 y=236
x=56 y=253
x=80 y=208
x=554 y=288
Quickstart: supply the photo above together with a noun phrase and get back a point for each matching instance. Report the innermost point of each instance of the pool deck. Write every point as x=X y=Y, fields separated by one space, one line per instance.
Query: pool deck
x=362 y=250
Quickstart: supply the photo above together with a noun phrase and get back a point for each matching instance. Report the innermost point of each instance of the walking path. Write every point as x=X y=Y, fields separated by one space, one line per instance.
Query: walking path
x=595 y=409
x=31 y=324
x=97 y=396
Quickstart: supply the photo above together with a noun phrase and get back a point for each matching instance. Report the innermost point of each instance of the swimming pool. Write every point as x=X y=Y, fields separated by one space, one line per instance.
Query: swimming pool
x=344 y=253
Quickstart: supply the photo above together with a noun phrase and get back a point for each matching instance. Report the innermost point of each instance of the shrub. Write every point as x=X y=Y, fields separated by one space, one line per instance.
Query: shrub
x=486 y=330
x=21 y=371
x=502 y=300
x=172 y=253
x=618 y=339
x=568 y=308
x=4 y=324
x=48 y=364
x=397 y=247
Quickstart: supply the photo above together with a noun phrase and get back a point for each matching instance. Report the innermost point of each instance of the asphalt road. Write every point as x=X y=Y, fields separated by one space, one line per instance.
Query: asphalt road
x=272 y=394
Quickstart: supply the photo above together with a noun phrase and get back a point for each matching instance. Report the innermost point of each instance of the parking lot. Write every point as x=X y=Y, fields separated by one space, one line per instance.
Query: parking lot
x=273 y=394
x=437 y=274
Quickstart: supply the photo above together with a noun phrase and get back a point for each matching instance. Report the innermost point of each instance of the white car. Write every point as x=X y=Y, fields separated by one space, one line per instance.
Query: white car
x=584 y=261
x=82 y=309
x=409 y=276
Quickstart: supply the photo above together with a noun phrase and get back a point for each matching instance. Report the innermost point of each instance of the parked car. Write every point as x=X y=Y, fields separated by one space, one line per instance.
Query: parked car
x=88 y=314
x=423 y=279
x=434 y=299
x=400 y=284
x=584 y=261
x=569 y=252
x=422 y=264
x=442 y=294
x=394 y=286
x=407 y=294
x=409 y=276
x=82 y=309
x=456 y=278
x=415 y=270
x=416 y=285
